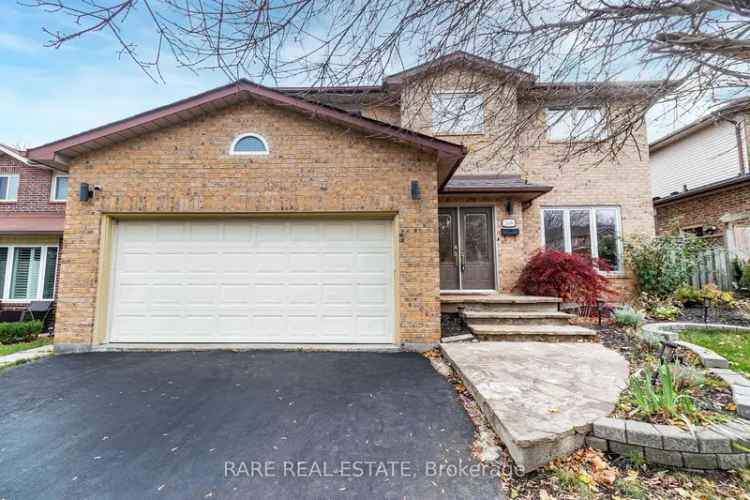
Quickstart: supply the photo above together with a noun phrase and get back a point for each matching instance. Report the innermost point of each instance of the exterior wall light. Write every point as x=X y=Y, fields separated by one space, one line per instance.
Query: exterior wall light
x=416 y=192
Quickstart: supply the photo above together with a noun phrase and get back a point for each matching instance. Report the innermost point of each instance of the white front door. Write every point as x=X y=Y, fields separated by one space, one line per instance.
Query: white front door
x=253 y=280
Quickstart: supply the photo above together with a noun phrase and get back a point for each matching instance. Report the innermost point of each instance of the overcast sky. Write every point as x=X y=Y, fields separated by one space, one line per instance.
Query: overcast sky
x=51 y=93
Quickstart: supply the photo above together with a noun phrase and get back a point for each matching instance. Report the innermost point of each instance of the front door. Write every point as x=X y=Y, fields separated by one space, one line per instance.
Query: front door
x=467 y=260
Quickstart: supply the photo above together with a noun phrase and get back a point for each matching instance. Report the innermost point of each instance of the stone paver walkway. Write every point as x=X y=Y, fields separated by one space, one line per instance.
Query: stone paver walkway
x=541 y=398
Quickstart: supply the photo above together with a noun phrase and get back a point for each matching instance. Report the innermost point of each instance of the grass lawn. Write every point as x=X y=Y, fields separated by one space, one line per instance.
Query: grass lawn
x=735 y=346
x=22 y=346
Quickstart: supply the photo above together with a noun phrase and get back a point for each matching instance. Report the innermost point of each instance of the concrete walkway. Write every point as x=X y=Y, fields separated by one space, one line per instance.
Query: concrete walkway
x=541 y=398
x=27 y=355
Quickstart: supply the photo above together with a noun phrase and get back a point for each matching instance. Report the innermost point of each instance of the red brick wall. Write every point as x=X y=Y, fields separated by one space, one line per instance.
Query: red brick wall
x=34 y=185
x=33 y=188
x=703 y=210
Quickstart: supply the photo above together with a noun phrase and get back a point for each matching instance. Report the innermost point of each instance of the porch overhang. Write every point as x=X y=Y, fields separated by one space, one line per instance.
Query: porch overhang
x=32 y=223
x=510 y=186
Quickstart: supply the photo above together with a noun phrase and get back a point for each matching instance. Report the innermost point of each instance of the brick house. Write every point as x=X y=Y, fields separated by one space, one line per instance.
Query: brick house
x=339 y=214
x=32 y=215
x=701 y=179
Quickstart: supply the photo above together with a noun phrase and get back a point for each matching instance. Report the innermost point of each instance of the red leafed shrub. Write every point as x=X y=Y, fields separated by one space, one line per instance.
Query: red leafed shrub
x=572 y=277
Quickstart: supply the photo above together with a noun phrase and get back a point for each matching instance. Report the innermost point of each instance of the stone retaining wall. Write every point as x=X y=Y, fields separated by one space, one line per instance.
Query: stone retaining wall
x=671 y=331
x=723 y=446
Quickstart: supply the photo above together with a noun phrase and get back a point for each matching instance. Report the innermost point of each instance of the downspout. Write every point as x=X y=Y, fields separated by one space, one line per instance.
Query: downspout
x=738 y=125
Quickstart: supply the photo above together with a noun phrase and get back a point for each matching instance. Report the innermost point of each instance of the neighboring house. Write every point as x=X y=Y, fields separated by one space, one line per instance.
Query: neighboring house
x=32 y=215
x=252 y=214
x=701 y=179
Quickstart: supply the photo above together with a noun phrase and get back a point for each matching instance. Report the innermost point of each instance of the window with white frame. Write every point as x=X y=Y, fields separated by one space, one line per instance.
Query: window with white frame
x=457 y=113
x=28 y=272
x=565 y=124
x=8 y=187
x=59 y=188
x=249 y=144
x=591 y=231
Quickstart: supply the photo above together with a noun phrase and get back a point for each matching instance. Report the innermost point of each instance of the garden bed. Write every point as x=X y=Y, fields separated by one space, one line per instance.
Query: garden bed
x=711 y=397
x=725 y=315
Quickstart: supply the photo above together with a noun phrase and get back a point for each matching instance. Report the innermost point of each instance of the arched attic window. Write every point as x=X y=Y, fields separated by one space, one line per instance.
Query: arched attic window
x=249 y=144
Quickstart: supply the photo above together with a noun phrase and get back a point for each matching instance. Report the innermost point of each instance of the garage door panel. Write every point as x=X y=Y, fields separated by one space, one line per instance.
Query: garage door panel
x=267 y=293
x=237 y=231
x=338 y=294
x=372 y=294
x=372 y=263
x=253 y=281
x=304 y=262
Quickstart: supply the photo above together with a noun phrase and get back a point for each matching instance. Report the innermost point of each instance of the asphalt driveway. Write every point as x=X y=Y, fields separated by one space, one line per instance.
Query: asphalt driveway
x=235 y=425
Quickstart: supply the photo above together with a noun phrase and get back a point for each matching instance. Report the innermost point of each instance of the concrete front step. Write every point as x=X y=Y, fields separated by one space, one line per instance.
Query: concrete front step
x=556 y=333
x=511 y=307
x=451 y=303
x=496 y=298
x=517 y=317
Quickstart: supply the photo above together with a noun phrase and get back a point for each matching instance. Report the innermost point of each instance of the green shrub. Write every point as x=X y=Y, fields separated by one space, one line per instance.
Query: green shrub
x=665 y=312
x=692 y=295
x=745 y=280
x=653 y=340
x=686 y=376
x=663 y=264
x=627 y=316
x=665 y=399
x=11 y=333
x=688 y=294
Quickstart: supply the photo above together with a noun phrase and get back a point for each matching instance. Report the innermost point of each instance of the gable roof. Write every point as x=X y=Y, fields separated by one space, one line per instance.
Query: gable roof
x=58 y=153
x=460 y=58
x=15 y=154
x=21 y=157
x=722 y=113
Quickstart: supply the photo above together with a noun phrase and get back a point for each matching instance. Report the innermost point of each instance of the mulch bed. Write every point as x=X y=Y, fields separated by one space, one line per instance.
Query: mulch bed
x=694 y=314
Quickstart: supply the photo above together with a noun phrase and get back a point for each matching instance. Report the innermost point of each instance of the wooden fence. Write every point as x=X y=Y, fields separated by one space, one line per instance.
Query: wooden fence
x=715 y=265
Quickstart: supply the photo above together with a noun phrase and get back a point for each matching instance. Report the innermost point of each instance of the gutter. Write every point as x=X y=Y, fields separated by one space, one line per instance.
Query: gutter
x=704 y=190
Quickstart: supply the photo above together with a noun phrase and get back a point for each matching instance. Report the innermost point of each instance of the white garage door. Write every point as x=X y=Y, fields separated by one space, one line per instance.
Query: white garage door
x=263 y=280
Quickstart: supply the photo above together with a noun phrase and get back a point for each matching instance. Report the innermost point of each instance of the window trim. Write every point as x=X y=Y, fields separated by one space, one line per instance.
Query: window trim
x=53 y=189
x=237 y=139
x=473 y=93
x=5 y=287
x=18 y=187
x=571 y=137
x=592 y=231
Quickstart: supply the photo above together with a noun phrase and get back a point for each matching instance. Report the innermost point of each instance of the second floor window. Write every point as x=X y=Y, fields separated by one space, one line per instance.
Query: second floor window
x=564 y=124
x=457 y=113
x=59 y=188
x=8 y=187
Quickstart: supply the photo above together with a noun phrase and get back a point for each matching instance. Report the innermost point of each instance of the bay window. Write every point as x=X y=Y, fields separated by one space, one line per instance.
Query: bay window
x=28 y=272
x=589 y=231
